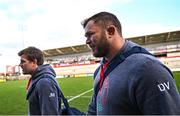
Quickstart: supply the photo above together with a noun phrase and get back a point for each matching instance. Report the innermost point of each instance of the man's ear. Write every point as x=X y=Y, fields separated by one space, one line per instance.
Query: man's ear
x=111 y=30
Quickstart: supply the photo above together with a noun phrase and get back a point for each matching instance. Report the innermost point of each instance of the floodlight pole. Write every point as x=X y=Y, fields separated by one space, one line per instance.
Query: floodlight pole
x=23 y=35
x=23 y=28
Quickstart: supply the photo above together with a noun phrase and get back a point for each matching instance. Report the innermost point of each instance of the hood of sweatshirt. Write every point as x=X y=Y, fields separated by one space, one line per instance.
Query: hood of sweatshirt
x=43 y=69
x=40 y=73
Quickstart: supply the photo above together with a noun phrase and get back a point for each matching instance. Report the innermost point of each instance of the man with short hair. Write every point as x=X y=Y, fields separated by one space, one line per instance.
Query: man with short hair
x=42 y=90
x=129 y=80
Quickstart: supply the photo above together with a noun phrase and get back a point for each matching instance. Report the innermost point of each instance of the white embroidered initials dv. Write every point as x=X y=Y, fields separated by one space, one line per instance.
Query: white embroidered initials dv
x=52 y=95
x=163 y=86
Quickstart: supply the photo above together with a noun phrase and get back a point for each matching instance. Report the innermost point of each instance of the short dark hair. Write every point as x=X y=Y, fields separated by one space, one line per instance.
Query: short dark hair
x=32 y=54
x=104 y=19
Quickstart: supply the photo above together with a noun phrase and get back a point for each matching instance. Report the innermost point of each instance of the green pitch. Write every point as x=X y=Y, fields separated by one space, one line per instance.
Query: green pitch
x=13 y=94
x=77 y=90
x=177 y=79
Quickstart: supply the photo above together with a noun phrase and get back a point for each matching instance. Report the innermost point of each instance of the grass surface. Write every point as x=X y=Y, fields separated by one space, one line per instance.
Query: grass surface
x=177 y=79
x=13 y=94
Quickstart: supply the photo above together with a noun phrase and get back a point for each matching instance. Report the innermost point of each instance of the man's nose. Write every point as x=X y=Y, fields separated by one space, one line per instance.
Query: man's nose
x=88 y=40
x=20 y=65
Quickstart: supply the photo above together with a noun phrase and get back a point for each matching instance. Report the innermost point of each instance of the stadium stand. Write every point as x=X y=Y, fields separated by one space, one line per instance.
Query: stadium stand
x=76 y=61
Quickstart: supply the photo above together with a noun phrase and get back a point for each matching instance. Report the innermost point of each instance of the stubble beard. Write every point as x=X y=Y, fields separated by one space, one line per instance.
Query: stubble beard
x=102 y=48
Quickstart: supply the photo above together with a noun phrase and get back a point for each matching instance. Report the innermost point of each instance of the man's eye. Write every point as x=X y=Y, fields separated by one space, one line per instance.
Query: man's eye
x=22 y=61
x=88 y=35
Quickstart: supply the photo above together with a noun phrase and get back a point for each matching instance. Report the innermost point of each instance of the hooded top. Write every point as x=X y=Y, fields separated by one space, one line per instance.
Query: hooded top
x=43 y=93
x=140 y=84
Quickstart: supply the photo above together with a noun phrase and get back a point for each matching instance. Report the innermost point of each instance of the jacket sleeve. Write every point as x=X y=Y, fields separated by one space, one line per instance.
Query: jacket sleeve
x=47 y=92
x=156 y=91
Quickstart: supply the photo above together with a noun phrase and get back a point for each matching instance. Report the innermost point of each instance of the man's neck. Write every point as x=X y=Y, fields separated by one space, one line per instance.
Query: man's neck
x=115 y=48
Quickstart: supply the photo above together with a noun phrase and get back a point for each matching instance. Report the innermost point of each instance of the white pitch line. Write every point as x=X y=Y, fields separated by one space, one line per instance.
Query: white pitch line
x=80 y=95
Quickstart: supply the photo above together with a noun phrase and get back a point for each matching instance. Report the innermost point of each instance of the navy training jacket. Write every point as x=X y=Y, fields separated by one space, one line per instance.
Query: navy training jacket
x=43 y=94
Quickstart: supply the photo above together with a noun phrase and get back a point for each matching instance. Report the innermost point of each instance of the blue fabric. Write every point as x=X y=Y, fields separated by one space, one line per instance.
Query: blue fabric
x=43 y=94
x=139 y=85
x=119 y=59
